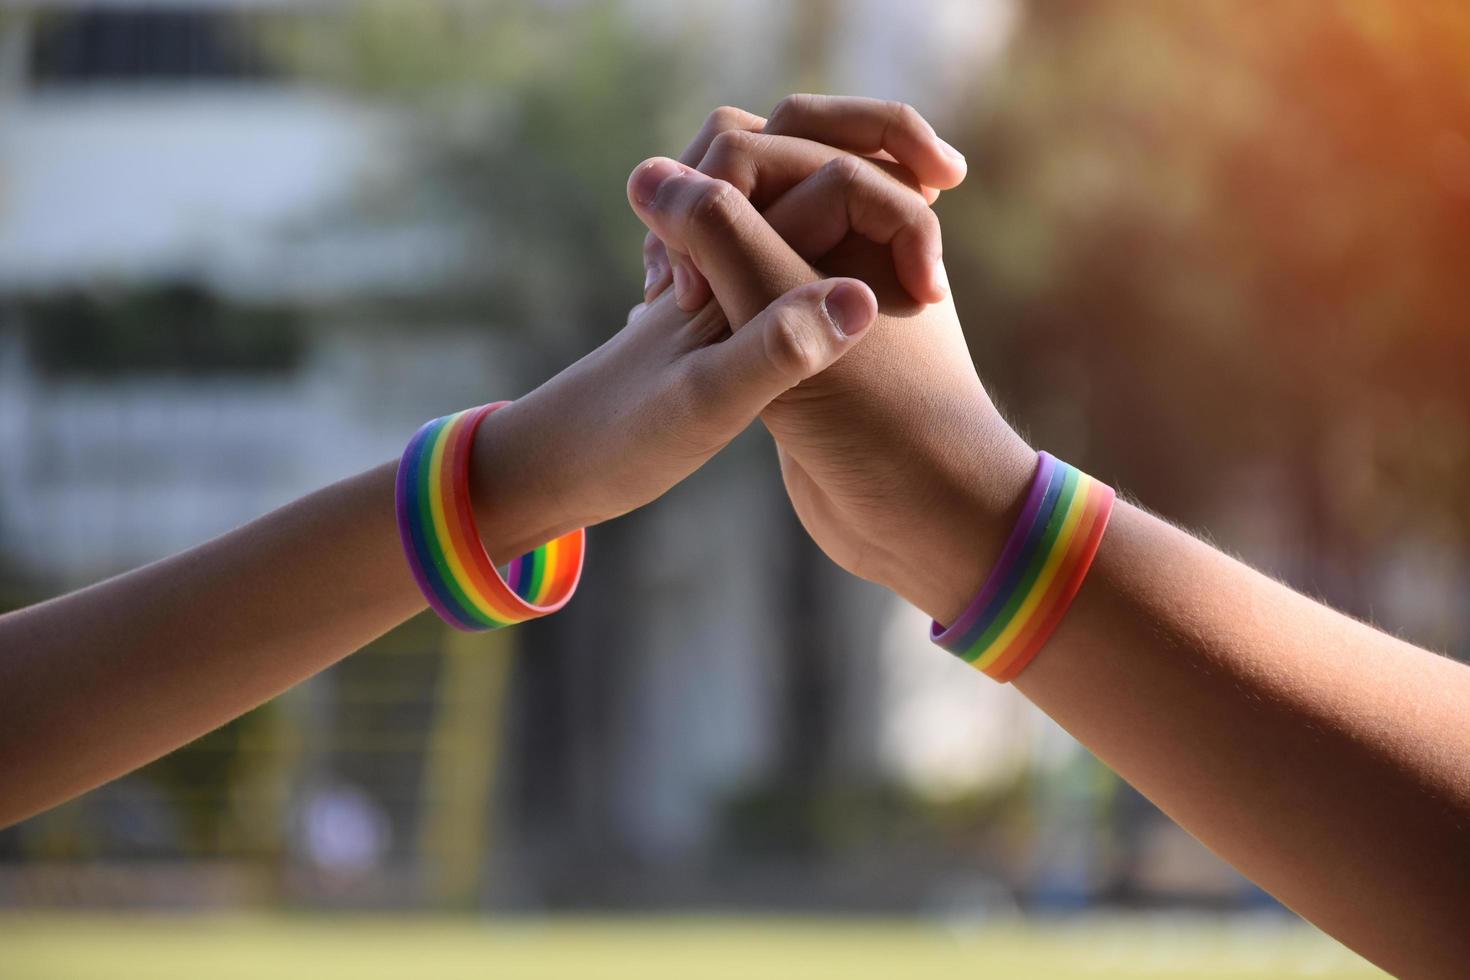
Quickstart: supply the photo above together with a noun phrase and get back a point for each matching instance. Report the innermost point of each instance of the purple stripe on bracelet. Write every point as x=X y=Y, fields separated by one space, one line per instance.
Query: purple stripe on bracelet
x=1046 y=469
x=1019 y=568
x=405 y=496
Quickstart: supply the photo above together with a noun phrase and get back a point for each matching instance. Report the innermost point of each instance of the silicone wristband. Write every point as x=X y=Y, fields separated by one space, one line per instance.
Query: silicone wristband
x=1037 y=575
x=436 y=523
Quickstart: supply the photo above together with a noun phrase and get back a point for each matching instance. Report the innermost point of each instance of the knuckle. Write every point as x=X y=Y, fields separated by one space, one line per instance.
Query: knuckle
x=904 y=116
x=715 y=207
x=845 y=176
x=726 y=142
x=790 y=106
x=845 y=170
x=723 y=118
x=788 y=347
x=726 y=151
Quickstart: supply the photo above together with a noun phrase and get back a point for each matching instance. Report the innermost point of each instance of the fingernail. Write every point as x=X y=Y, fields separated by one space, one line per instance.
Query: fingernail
x=847 y=306
x=648 y=178
x=654 y=274
x=950 y=151
x=681 y=285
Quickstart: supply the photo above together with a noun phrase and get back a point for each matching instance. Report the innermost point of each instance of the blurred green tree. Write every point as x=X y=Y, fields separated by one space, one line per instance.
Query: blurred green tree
x=522 y=120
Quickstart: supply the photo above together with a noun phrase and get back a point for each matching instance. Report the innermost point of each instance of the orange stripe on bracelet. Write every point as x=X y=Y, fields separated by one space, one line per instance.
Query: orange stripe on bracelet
x=436 y=522
x=1037 y=575
x=1064 y=589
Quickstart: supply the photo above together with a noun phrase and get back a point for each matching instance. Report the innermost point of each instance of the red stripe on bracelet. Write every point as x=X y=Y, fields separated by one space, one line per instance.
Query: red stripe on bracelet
x=1038 y=574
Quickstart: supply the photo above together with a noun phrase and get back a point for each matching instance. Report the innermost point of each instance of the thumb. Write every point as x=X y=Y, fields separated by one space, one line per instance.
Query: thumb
x=797 y=336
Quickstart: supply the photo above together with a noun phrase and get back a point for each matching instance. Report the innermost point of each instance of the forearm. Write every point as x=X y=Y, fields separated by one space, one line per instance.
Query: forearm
x=1329 y=762
x=95 y=683
x=1324 y=759
x=101 y=681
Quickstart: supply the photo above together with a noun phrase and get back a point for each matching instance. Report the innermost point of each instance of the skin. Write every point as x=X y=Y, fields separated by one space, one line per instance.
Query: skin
x=1327 y=761
x=910 y=400
x=150 y=660
x=98 y=682
x=1324 y=759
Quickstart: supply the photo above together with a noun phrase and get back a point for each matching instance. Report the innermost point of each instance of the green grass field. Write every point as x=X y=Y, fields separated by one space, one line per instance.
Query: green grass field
x=57 y=946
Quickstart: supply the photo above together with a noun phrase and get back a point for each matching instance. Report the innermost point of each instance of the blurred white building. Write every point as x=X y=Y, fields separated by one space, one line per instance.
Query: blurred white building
x=161 y=133
x=146 y=141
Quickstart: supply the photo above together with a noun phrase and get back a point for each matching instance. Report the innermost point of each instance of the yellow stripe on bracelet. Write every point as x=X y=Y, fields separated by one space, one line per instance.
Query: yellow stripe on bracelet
x=1025 y=614
x=1038 y=573
x=436 y=523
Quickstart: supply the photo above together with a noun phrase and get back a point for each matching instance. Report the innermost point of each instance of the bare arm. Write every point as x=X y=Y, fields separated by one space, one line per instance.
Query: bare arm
x=1327 y=761
x=95 y=683
x=98 y=682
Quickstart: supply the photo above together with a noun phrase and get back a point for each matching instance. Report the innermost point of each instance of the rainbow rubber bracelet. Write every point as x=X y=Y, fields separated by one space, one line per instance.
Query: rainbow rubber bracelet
x=1038 y=574
x=436 y=523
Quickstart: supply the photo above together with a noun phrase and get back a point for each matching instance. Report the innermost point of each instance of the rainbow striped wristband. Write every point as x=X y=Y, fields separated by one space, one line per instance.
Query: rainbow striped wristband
x=436 y=523
x=1039 y=572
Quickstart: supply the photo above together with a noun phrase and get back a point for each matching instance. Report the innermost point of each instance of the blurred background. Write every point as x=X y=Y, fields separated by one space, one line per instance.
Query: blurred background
x=1216 y=253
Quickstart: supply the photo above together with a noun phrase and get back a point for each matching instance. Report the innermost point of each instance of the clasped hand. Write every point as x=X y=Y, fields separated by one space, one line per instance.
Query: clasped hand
x=809 y=291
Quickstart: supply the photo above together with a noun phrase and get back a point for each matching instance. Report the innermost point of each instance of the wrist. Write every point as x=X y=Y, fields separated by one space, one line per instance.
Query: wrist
x=516 y=496
x=974 y=499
